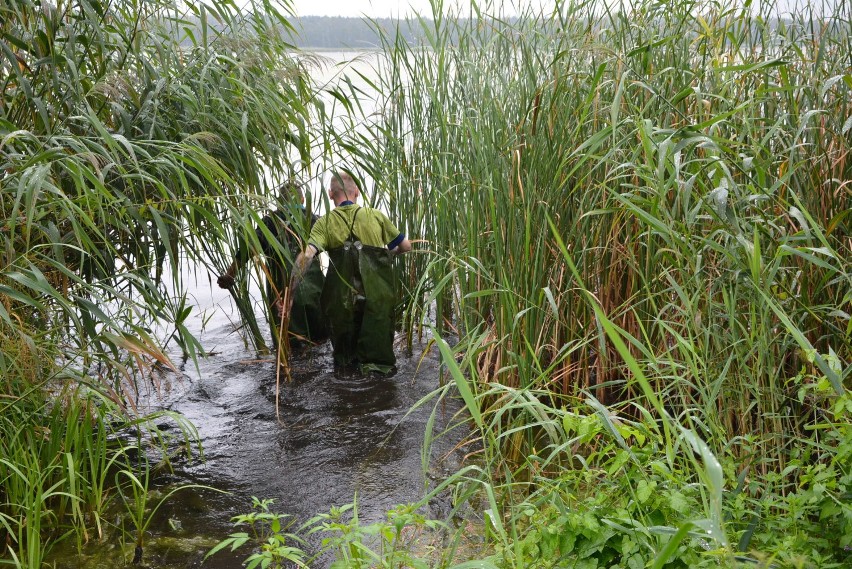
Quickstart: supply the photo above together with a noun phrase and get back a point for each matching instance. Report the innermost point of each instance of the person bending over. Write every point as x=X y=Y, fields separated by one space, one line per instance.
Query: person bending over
x=280 y=243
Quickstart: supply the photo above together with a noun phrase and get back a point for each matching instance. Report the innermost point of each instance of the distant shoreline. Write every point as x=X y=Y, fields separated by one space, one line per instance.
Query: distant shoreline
x=338 y=32
x=340 y=48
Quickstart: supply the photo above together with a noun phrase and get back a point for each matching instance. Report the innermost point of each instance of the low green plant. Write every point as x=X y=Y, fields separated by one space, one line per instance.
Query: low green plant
x=810 y=523
x=59 y=454
x=268 y=534
x=405 y=539
x=133 y=486
x=606 y=487
x=390 y=544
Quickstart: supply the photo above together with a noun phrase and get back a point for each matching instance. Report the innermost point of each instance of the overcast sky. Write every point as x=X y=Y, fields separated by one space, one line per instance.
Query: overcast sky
x=388 y=8
x=402 y=8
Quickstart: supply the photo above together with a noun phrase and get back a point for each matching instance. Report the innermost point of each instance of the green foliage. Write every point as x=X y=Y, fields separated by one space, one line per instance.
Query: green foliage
x=133 y=487
x=640 y=222
x=406 y=539
x=268 y=533
x=391 y=544
x=598 y=489
x=643 y=213
x=59 y=457
x=124 y=146
x=813 y=517
x=129 y=133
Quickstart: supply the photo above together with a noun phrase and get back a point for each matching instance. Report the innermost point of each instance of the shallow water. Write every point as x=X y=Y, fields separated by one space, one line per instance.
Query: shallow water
x=336 y=435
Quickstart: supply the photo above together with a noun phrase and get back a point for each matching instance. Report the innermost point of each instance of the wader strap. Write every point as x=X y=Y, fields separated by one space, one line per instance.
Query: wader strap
x=352 y=236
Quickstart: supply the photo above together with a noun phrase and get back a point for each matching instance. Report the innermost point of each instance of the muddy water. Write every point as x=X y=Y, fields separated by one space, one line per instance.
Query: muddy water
x=335 y=435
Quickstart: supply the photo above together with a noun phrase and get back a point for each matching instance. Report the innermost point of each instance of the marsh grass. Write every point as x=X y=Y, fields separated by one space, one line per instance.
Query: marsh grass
x=635 y=222
x=682 y=165
x=646 y=208
x=59 y=454
x=130 y=133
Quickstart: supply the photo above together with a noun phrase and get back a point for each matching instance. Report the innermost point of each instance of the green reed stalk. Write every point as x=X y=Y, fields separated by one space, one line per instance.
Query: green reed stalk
x=647 y=140
x=124 y=147
x=693 y=158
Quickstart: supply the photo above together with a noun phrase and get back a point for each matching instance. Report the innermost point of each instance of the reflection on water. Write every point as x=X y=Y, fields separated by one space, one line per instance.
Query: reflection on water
x=339 y=434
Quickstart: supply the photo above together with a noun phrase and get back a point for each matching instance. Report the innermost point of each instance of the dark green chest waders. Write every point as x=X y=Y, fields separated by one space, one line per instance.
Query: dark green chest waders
x=306 y=318
x=358 y=300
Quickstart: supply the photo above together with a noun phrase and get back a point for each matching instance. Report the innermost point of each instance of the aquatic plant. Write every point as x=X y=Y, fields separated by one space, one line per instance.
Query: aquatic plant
x=129 y=133
x=649 y=208
x=268 y=532
x=134 y=488
x=58 y=455
x=667 y=207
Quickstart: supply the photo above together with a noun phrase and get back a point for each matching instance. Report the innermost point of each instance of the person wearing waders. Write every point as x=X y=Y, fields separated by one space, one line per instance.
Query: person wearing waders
x=359 y=294
x=307 y=323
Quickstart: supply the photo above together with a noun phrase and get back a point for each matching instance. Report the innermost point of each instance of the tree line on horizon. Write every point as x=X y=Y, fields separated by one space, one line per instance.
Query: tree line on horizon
x=343 y=32
x=339 y=32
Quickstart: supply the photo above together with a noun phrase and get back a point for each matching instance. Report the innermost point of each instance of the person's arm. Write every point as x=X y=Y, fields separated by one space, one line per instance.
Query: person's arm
x=403 y=247
x=301 y=264
x=398 y=244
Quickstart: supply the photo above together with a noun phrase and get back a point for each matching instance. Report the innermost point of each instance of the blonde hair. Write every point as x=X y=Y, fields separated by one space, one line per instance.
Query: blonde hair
x=342 y=183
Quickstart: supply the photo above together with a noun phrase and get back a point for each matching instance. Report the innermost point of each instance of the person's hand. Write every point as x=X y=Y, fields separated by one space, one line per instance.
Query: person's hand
x=225 y=281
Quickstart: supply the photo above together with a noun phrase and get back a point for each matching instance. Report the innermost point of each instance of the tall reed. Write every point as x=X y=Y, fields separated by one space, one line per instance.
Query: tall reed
x=693 y=157
x=130 y=133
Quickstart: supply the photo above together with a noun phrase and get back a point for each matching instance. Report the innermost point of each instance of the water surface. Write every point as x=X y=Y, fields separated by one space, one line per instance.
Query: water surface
x=334 y=435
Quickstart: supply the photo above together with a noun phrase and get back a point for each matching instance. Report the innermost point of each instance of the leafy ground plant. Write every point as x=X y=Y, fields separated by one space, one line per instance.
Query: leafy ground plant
x=406 y=539
x=267 y=532
x=391 y=544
